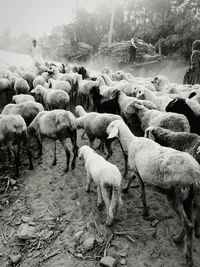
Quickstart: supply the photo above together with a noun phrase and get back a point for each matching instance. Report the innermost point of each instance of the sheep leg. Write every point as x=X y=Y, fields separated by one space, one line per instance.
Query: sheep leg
x=106 y=194
x=175 y=204
x=197 y=215
x=75 y=150
x=39 y=141
x=100 y=199
x=91 y=141
x=54 y=162
x=108 y=143
x=82 y=135
x=186 y=209
x=125 y=161
x=63 y=143
x=26 y=144
x=131 y=178
x=143 y=196
x=16 y=161
x=114 y=204
x=89 y=182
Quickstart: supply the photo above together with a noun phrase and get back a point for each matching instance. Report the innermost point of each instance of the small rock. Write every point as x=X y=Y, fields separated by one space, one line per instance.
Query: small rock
x=108 y=262
x=26 y=232
x=25 y=219
x=15 y=259
x=18 y=222
x=122 y=253
x=74 y=196
x=15 y=187
x=1 y=254
x=123 y=262
x=32 y=223
x=46 y=234
x=12 y=181
x=1 y=207
x=155 y=222
x=88 y=244
x=78 y=235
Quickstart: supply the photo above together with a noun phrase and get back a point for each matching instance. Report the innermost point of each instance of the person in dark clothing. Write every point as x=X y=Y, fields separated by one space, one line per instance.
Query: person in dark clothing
x=133 y=49
x=192 y=75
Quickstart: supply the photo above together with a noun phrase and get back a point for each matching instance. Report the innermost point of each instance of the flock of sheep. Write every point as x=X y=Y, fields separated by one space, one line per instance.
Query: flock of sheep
x=110 y=106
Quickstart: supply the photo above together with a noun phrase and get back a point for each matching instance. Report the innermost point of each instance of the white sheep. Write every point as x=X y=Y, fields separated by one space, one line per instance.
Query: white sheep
x=28 y=110
x=95 y=125
x=22 y=98
x=160 y=101
x=57 y=125
x=108 y=179
x=157 y=166
x=21 y=86
x=59 y=85
x=13 y=131
x=39 y=80
x=168 y=120
x=51 y=99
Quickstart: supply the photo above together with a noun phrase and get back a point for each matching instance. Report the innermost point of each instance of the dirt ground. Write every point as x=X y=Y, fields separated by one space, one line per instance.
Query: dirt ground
x=57 y=203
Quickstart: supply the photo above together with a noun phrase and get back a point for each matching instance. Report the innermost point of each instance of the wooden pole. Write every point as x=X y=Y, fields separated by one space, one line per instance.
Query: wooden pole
x=111 y=23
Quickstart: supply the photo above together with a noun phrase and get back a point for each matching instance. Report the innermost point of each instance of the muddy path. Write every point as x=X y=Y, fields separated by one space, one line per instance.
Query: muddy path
x=58 y=207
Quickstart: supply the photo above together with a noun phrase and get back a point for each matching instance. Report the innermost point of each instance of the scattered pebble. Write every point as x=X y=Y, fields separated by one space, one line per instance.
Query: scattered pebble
x=74 y=196
x=155 y=222
x=123 y=262
x=12 y=182
x=88 y=243
x=15 y=259
x=25 y=219
x=26 y=232
x=15 y=187
x=78 y=235
x=108 y=262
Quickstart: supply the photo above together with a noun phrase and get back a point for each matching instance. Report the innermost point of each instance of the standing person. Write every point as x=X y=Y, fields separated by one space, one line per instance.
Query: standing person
x=133 y=49
x=36 y=54
x=192 y=75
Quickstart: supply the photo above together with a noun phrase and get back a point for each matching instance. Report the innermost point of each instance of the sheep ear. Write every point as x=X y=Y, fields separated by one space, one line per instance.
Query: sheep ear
x=198 y=150
x=149 y=134
x=139 y=106
x=113 y=133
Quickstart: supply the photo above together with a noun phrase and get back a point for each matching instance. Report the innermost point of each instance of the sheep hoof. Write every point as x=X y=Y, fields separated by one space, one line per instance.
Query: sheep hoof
x=99 y=205
x=178 y=238
x=145 y=213
x=125 y=190
x=73 y=166
x=54 y=163
x=87 y=190
x=189 y=261
x=109 y=222
x=66 y=169
x=30 y=167
x=197 y=232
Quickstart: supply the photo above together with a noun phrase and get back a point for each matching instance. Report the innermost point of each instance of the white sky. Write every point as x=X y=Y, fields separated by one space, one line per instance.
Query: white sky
x=38 y=16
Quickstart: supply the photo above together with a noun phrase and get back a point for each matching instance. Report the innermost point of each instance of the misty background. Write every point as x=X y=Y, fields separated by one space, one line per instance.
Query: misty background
x=173 y=24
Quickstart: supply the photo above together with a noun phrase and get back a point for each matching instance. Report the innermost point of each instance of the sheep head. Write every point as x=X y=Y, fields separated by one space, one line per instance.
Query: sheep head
x=176 y=105
x=140 y=93
x=160 y=82
x=134 y=107
x=118 y=75
x=84 y=151
x=113 y=129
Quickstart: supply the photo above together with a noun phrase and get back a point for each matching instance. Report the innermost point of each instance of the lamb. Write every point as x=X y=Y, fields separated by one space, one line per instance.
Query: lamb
x=171 y=121
x=29 y=77
x=51 y=99
x=108 y=179
x=161 y=83
x=21 y=86
x=39 y=80
x=95 y=125
x=57 y=125
x=59 y=85
x=28 y=110
x=181 y=106
x=103 y=105
x=13 y=132
x=160 y=101
x=17 y=99
x=156 y=165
